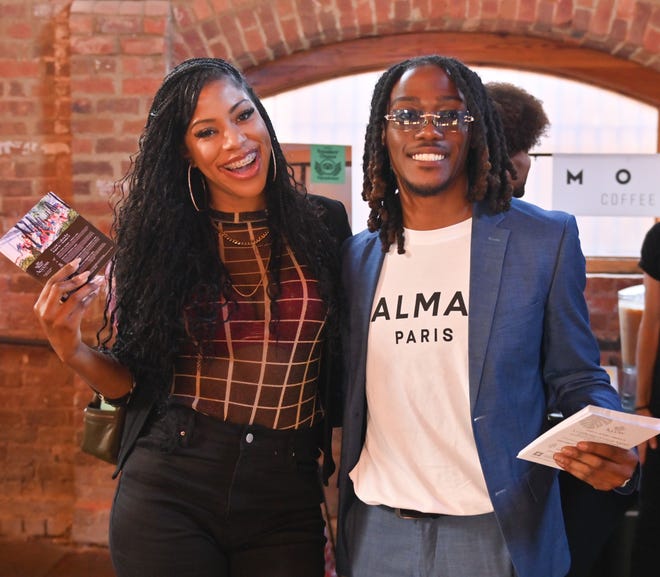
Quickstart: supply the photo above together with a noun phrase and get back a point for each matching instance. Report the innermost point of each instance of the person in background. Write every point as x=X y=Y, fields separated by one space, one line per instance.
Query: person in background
x=221 y=322
x=524 y=123
x=647 y=533
x=591 y=516
x=465 y=312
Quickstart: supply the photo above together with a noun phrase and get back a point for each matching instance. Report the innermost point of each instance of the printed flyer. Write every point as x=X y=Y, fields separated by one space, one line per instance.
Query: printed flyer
x=592 y=423
x=51 y=235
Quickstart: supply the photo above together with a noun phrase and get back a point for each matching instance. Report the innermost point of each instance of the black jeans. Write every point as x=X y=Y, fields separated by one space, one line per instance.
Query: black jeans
x=203 y=498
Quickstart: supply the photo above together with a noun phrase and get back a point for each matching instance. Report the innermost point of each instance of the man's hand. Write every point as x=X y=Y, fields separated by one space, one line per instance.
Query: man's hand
x=602 y=466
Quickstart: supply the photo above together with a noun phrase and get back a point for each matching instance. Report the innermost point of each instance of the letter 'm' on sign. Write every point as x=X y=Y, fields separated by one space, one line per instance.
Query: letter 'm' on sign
x=570 y=177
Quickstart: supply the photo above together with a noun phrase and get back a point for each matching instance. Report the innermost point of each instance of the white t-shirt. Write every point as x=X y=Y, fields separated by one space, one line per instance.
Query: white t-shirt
x=419 y=451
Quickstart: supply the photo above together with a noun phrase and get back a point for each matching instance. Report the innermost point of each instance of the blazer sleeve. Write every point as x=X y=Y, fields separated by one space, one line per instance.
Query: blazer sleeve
x=572 y=357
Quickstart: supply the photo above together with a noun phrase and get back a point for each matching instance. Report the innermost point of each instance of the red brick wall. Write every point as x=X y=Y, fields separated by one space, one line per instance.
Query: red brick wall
x=76 y=80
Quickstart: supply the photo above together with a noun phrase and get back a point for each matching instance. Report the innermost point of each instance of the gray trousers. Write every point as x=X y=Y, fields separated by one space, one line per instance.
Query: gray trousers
x=380 y=544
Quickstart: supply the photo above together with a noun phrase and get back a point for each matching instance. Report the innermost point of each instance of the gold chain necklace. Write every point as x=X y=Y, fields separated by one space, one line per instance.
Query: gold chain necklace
x=254 y=242
x=237 y=242
x=246 y=243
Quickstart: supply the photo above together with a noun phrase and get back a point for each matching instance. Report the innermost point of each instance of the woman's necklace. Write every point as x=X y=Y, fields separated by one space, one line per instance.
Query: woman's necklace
x=234 y=241
x=256 y=288
x=254 y=244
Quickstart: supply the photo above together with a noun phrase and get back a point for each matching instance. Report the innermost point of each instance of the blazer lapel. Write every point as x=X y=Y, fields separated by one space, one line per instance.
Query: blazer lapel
x=368 y=271
x=486 y=260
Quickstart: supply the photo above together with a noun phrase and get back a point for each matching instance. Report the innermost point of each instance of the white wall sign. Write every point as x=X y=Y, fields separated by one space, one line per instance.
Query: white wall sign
x=606 y=184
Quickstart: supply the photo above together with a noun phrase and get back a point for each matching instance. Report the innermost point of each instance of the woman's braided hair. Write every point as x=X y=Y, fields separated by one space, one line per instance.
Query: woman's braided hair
x=487 y=161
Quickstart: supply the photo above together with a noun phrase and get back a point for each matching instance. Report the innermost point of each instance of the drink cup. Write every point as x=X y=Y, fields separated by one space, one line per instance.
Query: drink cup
x=631 y=307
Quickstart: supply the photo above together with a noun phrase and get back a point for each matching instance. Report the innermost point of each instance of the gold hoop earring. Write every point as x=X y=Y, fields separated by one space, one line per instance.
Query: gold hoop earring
x=272 y=153
x=190 y=190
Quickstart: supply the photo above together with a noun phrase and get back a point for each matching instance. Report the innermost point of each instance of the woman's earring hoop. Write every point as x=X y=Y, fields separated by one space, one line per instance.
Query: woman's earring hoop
x=190 y=190
x=272 y=153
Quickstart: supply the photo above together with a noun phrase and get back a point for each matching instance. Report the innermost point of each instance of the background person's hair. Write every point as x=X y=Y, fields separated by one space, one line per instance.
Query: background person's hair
x=167 y=260
x=487 y=161
x=523 y=119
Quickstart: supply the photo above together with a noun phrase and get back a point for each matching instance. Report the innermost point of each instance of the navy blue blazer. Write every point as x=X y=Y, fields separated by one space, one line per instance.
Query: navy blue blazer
x=530 y=349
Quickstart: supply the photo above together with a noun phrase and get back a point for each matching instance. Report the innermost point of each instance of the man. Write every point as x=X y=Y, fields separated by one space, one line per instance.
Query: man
x=524 y=122
x=590 y=516
x=465 y=314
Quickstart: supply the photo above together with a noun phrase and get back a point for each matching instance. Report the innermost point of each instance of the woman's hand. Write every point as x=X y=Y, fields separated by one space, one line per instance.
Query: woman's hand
x=61 y=305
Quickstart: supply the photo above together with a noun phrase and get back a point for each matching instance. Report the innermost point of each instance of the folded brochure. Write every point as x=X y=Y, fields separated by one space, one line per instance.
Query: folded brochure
x=597 y=424
x=53 y=234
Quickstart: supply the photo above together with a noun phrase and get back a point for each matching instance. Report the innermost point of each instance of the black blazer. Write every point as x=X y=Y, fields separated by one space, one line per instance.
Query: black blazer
x=143 y=401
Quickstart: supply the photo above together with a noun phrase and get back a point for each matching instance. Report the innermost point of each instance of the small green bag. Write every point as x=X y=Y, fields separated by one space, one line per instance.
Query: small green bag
x=102 y=429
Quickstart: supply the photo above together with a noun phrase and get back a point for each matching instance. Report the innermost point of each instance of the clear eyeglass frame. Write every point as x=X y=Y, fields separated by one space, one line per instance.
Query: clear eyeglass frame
x=412 y=119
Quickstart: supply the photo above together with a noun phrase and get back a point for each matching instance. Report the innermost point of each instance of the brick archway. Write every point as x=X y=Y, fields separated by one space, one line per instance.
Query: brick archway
x=252 y=33
x=281 y=45
x=483 y=49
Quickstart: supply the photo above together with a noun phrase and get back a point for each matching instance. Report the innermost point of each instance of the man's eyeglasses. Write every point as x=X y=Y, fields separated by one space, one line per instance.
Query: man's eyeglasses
x=411 y=119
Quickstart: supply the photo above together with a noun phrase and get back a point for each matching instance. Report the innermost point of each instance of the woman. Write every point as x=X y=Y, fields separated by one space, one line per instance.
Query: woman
x=219 y=326
x=647 y=530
